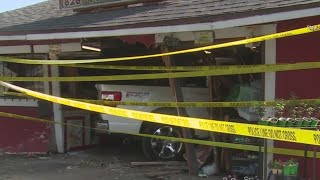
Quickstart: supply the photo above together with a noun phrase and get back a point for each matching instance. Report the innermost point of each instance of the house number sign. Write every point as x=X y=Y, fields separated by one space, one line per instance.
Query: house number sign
x=74 y=4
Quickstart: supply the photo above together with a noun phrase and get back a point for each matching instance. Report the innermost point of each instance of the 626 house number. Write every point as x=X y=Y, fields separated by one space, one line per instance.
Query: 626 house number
x=68 y=3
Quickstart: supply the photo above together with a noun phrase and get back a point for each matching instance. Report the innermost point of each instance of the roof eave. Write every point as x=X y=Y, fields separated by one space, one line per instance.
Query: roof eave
x=94 y=32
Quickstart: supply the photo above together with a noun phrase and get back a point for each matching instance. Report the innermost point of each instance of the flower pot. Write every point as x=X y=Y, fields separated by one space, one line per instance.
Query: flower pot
x=290 y=122
x=274 y=171
x=298 y=122
x=273 y=121
x=294 y=170
x=280 y=171
x=286 y=170
x=264 y=121
x=282 y=122
x=306 y=122
x=314 y=122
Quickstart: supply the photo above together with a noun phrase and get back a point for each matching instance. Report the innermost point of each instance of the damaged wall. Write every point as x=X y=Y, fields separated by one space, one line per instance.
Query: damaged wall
x=21 y=136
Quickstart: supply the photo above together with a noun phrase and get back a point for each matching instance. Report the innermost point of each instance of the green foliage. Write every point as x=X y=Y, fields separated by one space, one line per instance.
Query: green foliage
x=291 y=162
x=310 y=111
x=280 y=108
x=260 y=110
x=276 y=164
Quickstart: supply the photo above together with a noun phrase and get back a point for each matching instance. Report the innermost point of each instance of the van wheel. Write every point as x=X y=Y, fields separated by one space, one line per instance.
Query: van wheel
x=159 y=149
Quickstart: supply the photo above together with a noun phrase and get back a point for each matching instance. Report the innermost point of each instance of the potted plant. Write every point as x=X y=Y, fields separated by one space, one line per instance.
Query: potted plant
x=280 y=108
x=276 y=167
x=273 y=121
x=260 y=110
x=264 y=121
x=286 y=169
x=314 y=121
x=310 y=111
x=302 y=111
x=317 y=111
x=294 y=167
x=290 y=168
x=291 y=122
x=295 y=113
x=299 y=110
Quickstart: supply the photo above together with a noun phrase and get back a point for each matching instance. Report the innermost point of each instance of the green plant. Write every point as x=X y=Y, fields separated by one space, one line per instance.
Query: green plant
x=292 y=107
x=310 y=111
x=291 y=162
x=294 y=112
x=280 y=108
x=298 y=110
x=317 y=112
x=276 y=164
x=303 y=109
x=290 y=167
x=260 y=110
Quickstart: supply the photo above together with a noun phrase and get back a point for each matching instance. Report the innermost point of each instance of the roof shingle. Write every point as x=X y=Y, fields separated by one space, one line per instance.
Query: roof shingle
x=47 y=16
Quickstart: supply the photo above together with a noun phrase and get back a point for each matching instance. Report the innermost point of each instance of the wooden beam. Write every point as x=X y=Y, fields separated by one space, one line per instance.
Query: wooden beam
x=175 y=86
x=216 y=150
x=57 y=108
x=157 y=163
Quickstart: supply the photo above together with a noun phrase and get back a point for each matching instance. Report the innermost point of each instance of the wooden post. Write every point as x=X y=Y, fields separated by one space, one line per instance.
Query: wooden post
x=216 y=150
x=225 y=153
x=57 y=108
x=214 y=92
x=175 y=86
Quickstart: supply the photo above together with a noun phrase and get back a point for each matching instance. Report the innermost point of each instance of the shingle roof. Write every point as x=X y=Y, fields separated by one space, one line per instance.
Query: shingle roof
x=42 y=11
x=47 y=16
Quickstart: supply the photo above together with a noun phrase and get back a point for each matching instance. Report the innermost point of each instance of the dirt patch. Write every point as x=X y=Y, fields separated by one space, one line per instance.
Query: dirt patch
x=97 y=164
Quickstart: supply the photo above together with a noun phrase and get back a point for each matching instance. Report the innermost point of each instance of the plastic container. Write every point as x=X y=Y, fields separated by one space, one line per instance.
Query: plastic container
x=273 y=121
x=306 y=122
x=298 y=122
x=314 y=122
x=264 y=121
x=294 y=170
x=286 y=170
x=290 y=122
x=282 y=122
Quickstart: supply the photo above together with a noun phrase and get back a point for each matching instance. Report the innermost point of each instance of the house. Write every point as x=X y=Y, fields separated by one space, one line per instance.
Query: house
x=45 y=29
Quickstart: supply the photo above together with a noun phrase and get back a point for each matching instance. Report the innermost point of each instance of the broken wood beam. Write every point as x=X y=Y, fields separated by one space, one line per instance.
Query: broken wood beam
x=158 y=163
x=177 y=92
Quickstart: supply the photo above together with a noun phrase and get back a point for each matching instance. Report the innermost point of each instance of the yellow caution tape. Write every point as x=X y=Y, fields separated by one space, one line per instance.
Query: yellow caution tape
x=161 y=68
x=202 y=104
x=190 y=104
x=295 y=32
x=259 y=131
x=144 y=68
x=282 y=151
x=218 y=72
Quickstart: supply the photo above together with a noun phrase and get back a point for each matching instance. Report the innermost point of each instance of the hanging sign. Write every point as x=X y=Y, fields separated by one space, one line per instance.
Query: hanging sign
x=203 y=37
